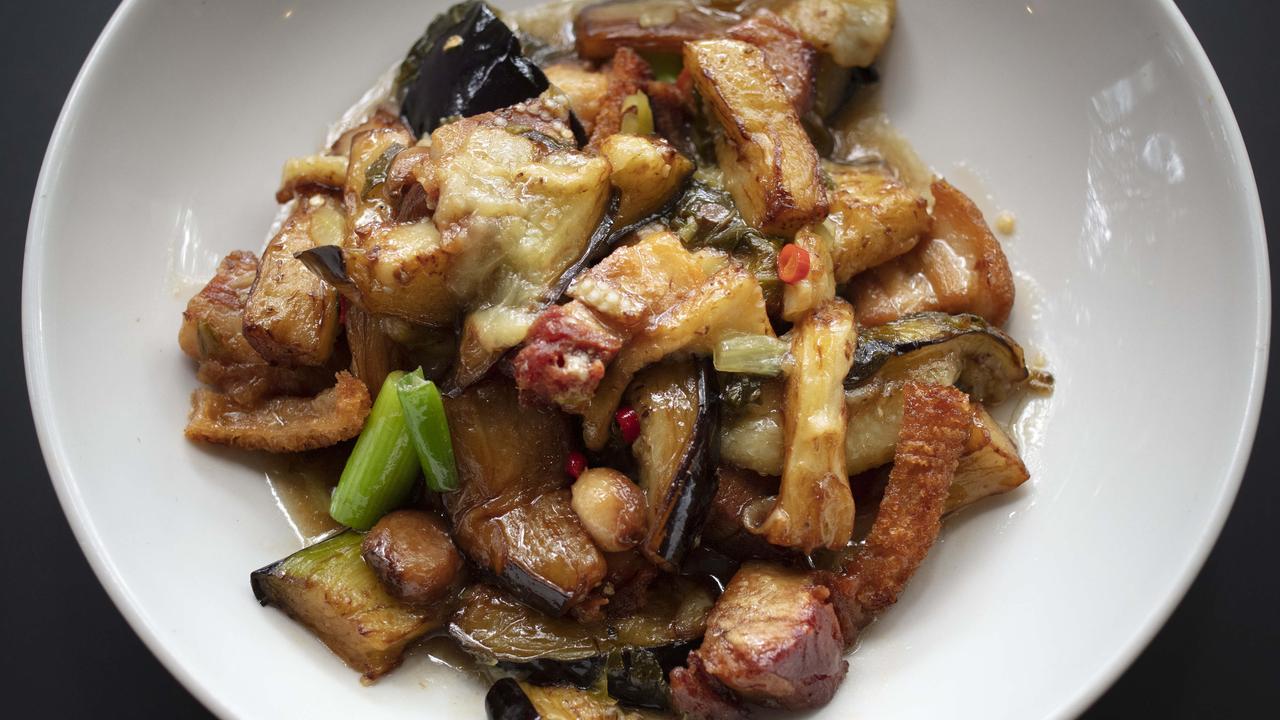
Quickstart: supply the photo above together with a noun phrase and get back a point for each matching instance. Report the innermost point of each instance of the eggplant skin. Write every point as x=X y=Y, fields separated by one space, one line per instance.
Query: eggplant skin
x=677 y=452
x=994 y=365
x=328 y=588
x=507 y=701
x=468 y=62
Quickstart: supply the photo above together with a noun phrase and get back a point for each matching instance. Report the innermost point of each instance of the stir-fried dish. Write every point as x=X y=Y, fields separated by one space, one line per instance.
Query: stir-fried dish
x=655 y=357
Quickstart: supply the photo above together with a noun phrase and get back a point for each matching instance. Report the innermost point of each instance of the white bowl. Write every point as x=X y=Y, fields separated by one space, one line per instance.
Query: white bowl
x=1142 y=275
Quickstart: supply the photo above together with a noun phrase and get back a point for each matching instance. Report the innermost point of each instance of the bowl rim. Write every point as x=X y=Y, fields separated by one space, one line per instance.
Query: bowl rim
x=100 y=560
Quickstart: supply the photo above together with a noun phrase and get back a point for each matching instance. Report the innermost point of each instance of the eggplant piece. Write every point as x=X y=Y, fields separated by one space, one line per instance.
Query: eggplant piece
x=291 y=316
x=497 y=628
x=934 y=348
x=328 y=588
x=770 y=165
x=511 y=514
x=958 y=268
x=647 y=172
x=521 y=209
x=212 y=324
x=989 y=466
x=512 y=700
x=638 y=676
x=815 y=507
x=874 y=218
x=992 y=365
x=646 y=25
x=312 y=175
x=468 y=62
x=851 y=32
x=677 y=453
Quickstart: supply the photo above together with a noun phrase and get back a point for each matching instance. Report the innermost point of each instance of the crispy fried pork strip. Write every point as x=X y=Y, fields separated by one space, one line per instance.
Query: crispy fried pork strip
x=281 y=424
x=960 y=269
x=772 y=639
x=248 y=385
x=628 y=74
x=936 y=426
x=815 y=507
x=212 y=325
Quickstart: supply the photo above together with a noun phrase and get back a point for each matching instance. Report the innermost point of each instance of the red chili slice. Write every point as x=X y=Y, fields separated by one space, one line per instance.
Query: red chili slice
x=628 y=424
x=793 y=264
x=575 y=464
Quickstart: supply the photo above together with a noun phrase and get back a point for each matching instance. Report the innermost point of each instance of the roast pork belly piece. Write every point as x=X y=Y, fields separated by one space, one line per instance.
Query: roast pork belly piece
x=874 y=218
x=628 y=74
x=769 y=163
x=959 y=269
x=936 y=426
x=696 y=695
x=281 y=424
x=212 y=324
x=569 y=346
x=772 y=639
x=793 y=60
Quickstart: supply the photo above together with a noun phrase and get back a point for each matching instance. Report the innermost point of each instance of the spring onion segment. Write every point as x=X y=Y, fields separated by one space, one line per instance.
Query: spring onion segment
x=751 y=354
x=381 y=469
x=428 y=430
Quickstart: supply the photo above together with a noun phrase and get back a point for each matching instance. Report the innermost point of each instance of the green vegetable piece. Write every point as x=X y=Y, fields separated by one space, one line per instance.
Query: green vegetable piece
x=428 y=430
x=751 y=354
x=666 y=66
x=637 y=115
x=382 y=468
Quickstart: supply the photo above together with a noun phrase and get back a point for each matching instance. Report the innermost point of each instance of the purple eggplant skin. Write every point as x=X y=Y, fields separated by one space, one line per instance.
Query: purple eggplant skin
x=468 y=62
x=678 y=514
x=582 y=673
x=507 y=701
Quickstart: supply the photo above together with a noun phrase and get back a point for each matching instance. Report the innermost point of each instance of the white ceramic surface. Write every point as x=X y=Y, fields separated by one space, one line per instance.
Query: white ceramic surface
x=1142 y=278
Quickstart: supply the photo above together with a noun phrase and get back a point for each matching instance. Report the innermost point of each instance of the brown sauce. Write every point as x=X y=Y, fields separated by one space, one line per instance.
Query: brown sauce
x=301 y=484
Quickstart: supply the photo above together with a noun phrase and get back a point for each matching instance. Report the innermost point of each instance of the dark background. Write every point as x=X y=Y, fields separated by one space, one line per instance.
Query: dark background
x=68 y=653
